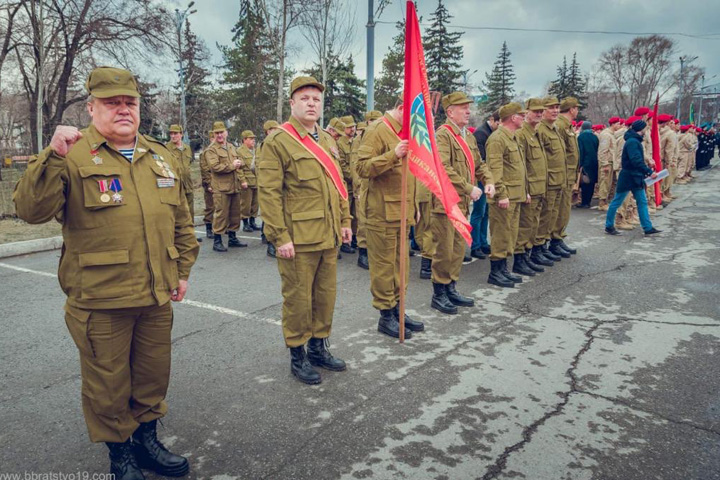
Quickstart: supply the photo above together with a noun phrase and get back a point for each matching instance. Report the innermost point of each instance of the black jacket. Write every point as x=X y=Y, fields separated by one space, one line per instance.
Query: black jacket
x=481 y=135
x=634 y=170
x=588 y=143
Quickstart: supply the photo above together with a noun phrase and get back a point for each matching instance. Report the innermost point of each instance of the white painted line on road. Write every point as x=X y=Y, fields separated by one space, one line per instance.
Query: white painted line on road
x=238 y=236
x=193 y=303
x=27 y=270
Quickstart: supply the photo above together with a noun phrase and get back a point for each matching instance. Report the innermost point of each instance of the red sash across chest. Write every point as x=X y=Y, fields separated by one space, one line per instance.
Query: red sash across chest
x=466 y=150
x=320 y=155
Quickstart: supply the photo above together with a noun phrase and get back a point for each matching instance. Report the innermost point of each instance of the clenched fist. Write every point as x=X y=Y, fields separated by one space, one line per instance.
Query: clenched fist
x=64 y=138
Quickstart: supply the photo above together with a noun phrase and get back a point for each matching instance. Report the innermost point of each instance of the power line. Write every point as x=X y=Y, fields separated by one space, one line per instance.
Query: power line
x=707 y=36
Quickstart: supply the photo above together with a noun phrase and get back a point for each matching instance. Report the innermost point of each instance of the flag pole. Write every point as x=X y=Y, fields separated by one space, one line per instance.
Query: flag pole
x=403 y=246
x=655 y=142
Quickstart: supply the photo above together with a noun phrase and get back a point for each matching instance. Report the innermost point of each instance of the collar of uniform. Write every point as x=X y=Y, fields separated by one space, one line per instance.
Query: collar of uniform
x=395 y=124
x=506 y=132
x=94 y=137
x=528 y=128
x=300 y=129
x=244 y=148
x=562 y=122
x=456 y=130
x=548 y=123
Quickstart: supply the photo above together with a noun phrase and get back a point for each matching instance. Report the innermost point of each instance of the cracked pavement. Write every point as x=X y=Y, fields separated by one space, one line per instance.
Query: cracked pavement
x=604 y=367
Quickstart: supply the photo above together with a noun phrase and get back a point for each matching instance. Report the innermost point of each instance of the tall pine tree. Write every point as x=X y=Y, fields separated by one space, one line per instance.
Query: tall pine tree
x=576 y=84
x=390 y=83
x=443 y=53
x=344 y=93
x=198 y=98
x=558 y=87
x=500 y=81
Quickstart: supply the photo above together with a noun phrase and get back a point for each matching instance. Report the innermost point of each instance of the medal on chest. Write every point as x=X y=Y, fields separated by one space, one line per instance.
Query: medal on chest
x=116 y=186
x=95 y=158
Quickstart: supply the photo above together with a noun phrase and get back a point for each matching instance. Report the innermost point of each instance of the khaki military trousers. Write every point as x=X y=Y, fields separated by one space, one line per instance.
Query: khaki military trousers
x=423 y=230
x=449 y=250
x=529 y=223
x=682 y=168
x=249 y=199
x=209 y=207
x=548 y=216
x=309 y=284
x=360 y=205
x=605 y=183
x=125 y=367
x=564 y=205
x=504 y=225
x=669 y=181
x=384 y=255
x=190 y=197
x=228 y=212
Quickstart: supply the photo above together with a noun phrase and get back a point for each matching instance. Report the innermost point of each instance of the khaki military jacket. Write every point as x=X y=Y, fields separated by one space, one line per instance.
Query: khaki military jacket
x=606 y=149
x=619 y=144
x=359 y=184
x=667 y=146
x=507 y=166
x=205 y=172
x=183 y=156
x=225 y=177
x=249 y=164
x=554 y=148
x=344 y=146
x=300 y=203
x=572 y=151
x=535 y=161
x=129 y=251
x=377 y=163
x=687 y=143
x=647 y=146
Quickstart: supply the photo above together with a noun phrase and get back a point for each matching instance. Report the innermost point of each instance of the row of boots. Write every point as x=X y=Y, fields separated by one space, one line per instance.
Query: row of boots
x=233 y=242
x=317 y=354
x=249 y=225
x=528 y=263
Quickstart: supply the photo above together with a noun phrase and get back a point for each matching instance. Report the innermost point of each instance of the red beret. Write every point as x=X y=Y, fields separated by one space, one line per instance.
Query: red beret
x=599 y=126
x=651 y=114
x=629 y=121
x=664 y=118
x=613 y=120
x=640 y=111
x=676 y=120
x=684 y=128
x=698 y=129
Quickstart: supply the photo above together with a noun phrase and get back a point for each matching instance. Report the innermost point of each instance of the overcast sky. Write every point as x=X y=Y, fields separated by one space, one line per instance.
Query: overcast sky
x=535 y=55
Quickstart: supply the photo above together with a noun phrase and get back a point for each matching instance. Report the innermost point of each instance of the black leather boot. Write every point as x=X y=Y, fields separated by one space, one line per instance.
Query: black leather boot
x=271 y=252
x=353 y=243
x=425 y=268
x=478 y=253
x=152 y=455
x=539 y=258
x=254 y=225
x=263 y=239
x=467 y=258
x=510 y=276
x=389 y=324
x=440 y=300
x=547 y=253
x=520 y=267
x=455 y=297
x=533 y=266
x=233 y=241
x=410 y=324
x=246 y=225
x=217 y=244
x=496 y=276
x=564 y=246
x=347 y=248
x=123 y=465
x=319 y=356
x=363 y=259
x=209 y=231
x=301 y=368
x=556 y=249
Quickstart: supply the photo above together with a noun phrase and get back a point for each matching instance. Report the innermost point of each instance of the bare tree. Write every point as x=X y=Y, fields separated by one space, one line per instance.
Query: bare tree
x=329 y=28
x=8 y=15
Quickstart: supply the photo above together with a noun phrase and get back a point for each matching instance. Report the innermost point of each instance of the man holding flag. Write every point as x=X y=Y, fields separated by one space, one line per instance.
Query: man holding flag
x=460 y=156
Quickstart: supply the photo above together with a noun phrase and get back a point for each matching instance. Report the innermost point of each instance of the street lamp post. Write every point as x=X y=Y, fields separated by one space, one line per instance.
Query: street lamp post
x=179 y=21
x=683 y=60
x=466 y=76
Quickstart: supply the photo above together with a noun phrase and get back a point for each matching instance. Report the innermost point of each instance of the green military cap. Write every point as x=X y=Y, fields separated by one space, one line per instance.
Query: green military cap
x=175 y=129
x=106 y=82
x=455 y=98
x=550 y=101
x=337 y=125
x=247 y=134
x=218 y=127
x=535 y=104
x=270 y=124
x=301 y=82
x=568 y=103
x=373 y=115
x=362 y=125
x=510 y=109
x=348 y=120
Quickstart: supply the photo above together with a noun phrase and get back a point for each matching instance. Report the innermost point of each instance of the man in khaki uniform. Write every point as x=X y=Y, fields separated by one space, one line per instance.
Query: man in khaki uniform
x=606 y=160
x=344 y=143
x=184 y=157
x=380 y=160
x=536 y=167
x=507 y=168
x=569 y=109
x=686 y=151
x=461 y=158
x=246 y=152
x=206 y=180
x=668 y=148
x=124 y=188
x=268 y=127
x=228 y=180
x=554 y=149
x=360 y=192
x=306 y=217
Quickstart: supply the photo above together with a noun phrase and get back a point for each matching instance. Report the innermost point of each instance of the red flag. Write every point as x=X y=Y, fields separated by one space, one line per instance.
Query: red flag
x=655 y=138
x=419 y=129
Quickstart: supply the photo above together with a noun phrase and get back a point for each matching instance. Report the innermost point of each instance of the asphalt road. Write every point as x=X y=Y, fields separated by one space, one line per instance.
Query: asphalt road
x=604 y=367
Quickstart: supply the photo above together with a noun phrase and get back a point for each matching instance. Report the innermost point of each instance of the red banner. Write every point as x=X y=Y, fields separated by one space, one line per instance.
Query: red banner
x=655 y=138
x=419 y=129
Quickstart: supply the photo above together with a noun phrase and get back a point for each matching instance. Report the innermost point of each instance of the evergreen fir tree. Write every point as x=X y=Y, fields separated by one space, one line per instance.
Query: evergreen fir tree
x=198 y=98
x=499 y=83
x=576 y=85
x=558 y=87
x=443 y=53
x=390 y=83
x=344 y=91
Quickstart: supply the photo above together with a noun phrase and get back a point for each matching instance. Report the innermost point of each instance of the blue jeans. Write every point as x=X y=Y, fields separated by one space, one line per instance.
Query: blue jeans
x=479 y=222
x=640 y=198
